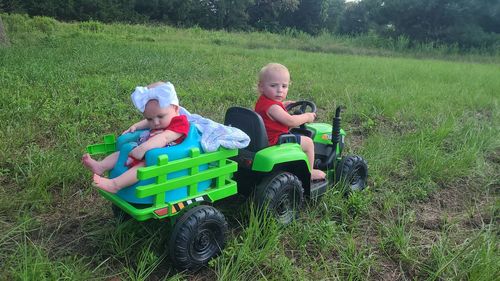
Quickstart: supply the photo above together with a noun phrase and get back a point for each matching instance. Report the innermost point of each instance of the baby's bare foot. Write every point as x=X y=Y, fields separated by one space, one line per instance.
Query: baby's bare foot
x=105 y=184
x=92 y=164
x=317 y=174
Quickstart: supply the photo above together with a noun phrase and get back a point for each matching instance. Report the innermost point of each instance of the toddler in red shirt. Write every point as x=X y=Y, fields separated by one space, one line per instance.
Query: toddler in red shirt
x=160 y=106
x=274 y=80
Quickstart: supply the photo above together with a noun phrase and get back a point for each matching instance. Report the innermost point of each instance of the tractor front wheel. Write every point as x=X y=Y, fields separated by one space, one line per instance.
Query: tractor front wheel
x=198 y=236
x=352 y=171
x=282 y=195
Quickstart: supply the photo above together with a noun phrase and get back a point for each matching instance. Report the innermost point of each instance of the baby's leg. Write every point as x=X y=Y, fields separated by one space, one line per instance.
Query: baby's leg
x=99 y=167
x=114 y=185
x=307 y=146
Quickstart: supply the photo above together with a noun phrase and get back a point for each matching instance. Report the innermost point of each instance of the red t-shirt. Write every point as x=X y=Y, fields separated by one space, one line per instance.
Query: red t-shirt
x=273 y=128
x=178 y=124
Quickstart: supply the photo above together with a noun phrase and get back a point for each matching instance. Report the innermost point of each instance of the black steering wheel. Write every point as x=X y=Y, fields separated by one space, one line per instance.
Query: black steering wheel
x=301 y=107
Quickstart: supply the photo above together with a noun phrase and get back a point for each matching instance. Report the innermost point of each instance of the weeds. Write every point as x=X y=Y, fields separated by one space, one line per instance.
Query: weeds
x=244 y=256
x=474 y=259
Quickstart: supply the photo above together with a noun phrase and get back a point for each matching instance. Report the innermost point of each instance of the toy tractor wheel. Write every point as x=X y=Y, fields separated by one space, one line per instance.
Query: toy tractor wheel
x=120 y=214
x=198 y=236
x=282 y=195
x=353 y=172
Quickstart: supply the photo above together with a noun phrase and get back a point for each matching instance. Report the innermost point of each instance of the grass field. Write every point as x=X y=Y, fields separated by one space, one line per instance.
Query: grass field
x=427 y=127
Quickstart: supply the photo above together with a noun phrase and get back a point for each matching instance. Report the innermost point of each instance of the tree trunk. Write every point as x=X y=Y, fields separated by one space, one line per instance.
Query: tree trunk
x=4 y=40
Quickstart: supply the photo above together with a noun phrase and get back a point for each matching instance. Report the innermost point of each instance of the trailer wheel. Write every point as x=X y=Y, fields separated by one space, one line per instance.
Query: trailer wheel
x=282 y=194
x=198 y=236
x=353 y=172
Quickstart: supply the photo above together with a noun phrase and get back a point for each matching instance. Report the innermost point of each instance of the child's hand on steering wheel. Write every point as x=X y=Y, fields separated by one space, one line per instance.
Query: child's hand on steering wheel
x=310 y=116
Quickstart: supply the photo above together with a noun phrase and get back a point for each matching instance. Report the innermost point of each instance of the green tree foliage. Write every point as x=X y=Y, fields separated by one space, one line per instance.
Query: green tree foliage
x=268 y=14
x=227 y=14
x=335 y=10
x=176 y=12
x=310 y=16
x=81 y=10
x=314 y=16
x=237 y=14
x=462 y=22
x=465 y=23
x=487 y=14
x=11 y=6
x=354 y=19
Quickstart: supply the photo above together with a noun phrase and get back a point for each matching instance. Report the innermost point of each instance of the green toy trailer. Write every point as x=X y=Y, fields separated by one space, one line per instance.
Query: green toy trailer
x=200 y=230
x=277 y=176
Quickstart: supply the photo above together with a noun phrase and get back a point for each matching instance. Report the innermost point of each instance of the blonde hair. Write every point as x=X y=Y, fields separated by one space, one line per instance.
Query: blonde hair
x=271 y=67
x=155 y=84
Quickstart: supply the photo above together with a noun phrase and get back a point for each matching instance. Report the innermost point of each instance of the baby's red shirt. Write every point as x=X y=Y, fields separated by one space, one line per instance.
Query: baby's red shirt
x=178 y=124
x=273 y=128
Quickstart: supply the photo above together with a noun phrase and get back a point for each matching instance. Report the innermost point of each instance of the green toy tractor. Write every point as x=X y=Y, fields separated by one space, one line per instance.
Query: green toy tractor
x=183 y=187
x=279 y=176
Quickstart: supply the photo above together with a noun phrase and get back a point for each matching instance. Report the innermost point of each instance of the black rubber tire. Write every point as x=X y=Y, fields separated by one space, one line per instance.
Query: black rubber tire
x=199 y=235
x=353 y=172
x=120 y=214
x=282 y=194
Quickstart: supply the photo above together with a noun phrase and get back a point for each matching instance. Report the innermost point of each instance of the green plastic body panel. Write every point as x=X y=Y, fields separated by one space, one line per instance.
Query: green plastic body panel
x=323 y=135
x=267 y=158
x=108 y=147
x=322 y=132
x=220 y=170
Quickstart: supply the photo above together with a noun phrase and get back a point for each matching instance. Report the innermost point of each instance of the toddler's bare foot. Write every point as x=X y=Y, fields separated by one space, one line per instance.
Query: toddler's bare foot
x=105 y=184
x=317 y=174
x=92 y=164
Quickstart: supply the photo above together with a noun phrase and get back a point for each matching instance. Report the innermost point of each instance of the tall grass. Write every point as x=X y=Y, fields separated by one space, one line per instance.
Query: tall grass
x=428 y=128
x=252 y=251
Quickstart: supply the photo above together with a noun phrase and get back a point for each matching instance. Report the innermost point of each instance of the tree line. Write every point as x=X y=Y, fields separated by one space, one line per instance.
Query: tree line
x=465 y=23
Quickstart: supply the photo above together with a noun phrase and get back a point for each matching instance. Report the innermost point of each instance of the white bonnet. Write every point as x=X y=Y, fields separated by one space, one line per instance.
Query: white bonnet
x=164 y=93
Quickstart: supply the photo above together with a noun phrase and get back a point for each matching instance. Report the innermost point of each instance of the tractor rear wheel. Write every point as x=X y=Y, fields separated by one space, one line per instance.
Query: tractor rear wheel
x=282 y=195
